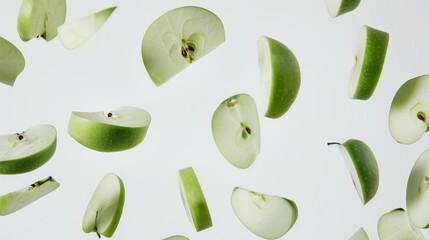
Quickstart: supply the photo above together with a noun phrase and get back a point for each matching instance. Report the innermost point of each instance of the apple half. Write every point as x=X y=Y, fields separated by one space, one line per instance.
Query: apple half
x=280 y=77
x=177 y=237
x=14 y=201
x=363 y=167
x=12 y=62
x=193 y=200
x=339 y=7
x=74 y=34
x=177 y=39
x=105 y=208
x=360 y=234
x=235 y=128
x=395 y=225
x=118 y=130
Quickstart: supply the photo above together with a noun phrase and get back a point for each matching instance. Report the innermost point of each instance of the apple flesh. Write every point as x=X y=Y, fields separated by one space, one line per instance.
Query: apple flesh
x=12 y=62
x=395 y=225
x=177 y=237
x=339 y=7
x=359 y=235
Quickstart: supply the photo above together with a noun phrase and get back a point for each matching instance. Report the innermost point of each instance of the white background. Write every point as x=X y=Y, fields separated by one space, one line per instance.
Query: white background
x=107 y=72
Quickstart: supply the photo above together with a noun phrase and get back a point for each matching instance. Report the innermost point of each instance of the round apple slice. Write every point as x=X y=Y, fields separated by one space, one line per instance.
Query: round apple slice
x=12 y=62
x=359 y=235
x=193 y=200
x=105 y=208
x=370 y=54
x=177 y=39
x=118 y=130
x=363 y=167
x=268 y=217
x=26 y=151
x=395 y=225
x=177 y=237
x=280 y=77
x=339 y=7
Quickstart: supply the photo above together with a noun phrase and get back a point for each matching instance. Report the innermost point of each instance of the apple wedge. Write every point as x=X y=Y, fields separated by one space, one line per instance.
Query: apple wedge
x=363 y=167
x=395 y=225
x=235 y=128
x=105 y=208
x=280 y=77
x=177 y=39
x=193 y=200
x=14 y=201
x=118 y=130
x=370 y=54
x=339 y=7
x=359 y=235
x=177 y=237
x=74 y=34
x=12 y=62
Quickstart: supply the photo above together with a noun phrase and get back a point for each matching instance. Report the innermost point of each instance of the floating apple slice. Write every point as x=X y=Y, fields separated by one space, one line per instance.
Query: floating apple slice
x=280 y=77
x=177 y=237
x=105 y=208
x=363 y=167
x=193 y=200
x=339 y=7
x=177 y=39
x=235 y=128
x=14 y=201
x=395 y=225
x=40 y=18
x=75 y=33
x=370 y=54
x=118 y=130
x=12 y=62
x=268 y=217
x=360 y=235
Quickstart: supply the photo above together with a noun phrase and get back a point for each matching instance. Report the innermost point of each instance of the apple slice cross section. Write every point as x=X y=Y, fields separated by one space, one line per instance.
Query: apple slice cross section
x=12 y=62
x=177 y=237
x=340 y=7
x=360 y=234
x=395 y=225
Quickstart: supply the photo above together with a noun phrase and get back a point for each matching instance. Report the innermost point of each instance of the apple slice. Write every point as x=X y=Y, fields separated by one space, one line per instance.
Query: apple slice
x=360 y=235
x=363 y=167
x=177 y=237
x=280 y=77
x=74 y=34
x=105 y=208
x=268 y=217
x=118 y=130
x=339 y=7
x=370 y=54
x=14 y=201
x=12 y=62
x=408 y=111
x=235 y=128
x=177 y=39
x=40 y=18
x=193 y=200
x=395 y=225
x=26 y=151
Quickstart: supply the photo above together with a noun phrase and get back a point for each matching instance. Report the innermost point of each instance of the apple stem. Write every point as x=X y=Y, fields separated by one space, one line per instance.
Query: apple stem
x=333 y=143
x=98 y=234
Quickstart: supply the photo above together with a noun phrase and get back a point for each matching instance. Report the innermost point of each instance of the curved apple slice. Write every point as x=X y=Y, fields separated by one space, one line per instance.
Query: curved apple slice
x=14 y=201
x=177 y=237
x=177 y=39
x=118 y=130
x=339 y=7
x=12 y=62
x=359 y=235
x=105 y=208
x=74 y=34
x=193 y=200
x=395 y=225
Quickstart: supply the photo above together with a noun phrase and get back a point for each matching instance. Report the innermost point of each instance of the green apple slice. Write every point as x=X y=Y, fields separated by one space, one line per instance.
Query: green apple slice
x=40 y=18
x=370 y=54
x=363 y=167
x=339 y=7
x=268 y=217
x=74 y=34
x=118 y=130
x=193 y=200
x=408 y=111
x=26 y=151
x=105 y=208
x=280 y=77
x=395 y=225
x=12 y=62
x=235 y=128
x=14 y=201
x=360 y=235
x=177 y=39
x=177 y=237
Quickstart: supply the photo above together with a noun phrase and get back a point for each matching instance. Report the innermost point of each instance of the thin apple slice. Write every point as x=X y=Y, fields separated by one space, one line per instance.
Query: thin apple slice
x=74 y=34
x=12 y=62
x=193 y=200
x=14 y=201
x=339 y=7
x=177 y=237
x=359 y=235
x=395 y=225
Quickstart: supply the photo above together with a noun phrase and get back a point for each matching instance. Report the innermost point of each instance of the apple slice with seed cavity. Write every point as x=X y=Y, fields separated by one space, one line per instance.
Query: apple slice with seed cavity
x=12 y=62
x=395 y=225
x=359 y=235
x=339 y=7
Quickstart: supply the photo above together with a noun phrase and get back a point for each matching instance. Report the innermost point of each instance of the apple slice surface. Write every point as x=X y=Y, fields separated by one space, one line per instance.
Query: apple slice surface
x=339 y=7
x=12 y=62
x=395 y=225
x=177 y=237
x=359 y=235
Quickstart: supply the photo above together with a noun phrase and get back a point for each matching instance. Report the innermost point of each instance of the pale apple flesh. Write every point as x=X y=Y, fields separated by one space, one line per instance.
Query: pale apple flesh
x=395 y=225
x=12 y=62
x=177 y=237
x=359 y=235
x=340 y=7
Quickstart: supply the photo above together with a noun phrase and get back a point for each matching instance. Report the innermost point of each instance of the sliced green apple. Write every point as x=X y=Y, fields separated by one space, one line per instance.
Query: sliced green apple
x=235 y=128
x=363 y=167
x=177 y=237
x=193 y=200
x=370 y=54
x=339 y=7
x=177 y=39
x=118 y=130
x=360 y=235
x=105 y=208
x=28 y=150
x=395 y=225
x=280 y=77
x=14 y=201
x=268 y=217
x=12 y=62
x=74 y=34
x=40 y=18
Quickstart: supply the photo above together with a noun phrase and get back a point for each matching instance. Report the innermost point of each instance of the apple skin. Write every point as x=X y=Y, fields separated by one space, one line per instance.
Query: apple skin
x=346 y=6
x=12 y=64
